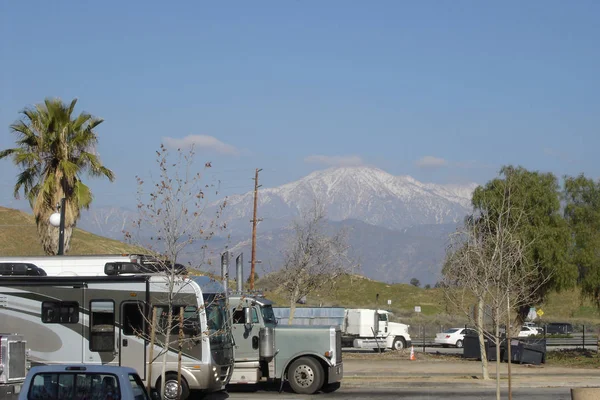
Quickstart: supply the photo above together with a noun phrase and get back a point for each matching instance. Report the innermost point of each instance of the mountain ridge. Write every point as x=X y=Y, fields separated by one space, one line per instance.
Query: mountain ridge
x=367 y=194
x=398 y=225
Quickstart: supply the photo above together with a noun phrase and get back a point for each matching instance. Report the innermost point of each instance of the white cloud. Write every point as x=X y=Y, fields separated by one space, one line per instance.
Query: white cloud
x=337 y=161
x=201 y=142
x=431 y=162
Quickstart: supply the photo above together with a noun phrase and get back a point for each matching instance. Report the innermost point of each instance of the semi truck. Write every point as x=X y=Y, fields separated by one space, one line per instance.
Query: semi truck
x=309 y=358
x=361 y=328
x=13 y=365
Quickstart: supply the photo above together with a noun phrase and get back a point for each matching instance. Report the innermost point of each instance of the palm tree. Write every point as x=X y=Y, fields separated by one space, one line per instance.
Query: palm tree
x=54 y=150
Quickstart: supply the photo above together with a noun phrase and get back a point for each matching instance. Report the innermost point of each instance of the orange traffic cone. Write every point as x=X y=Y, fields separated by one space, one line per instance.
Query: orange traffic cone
x=412 y=354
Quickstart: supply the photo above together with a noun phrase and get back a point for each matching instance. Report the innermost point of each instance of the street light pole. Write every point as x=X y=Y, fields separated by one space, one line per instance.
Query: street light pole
x=61 y=228
x=61 y=225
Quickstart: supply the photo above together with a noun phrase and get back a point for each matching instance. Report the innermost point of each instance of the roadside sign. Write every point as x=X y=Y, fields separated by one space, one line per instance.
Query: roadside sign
x=539 y=312
x=417 y=308
x=389 y=302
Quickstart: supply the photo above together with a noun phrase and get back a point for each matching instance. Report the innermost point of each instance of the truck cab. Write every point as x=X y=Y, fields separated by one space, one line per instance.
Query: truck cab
x=308 y=357
x=372 y=329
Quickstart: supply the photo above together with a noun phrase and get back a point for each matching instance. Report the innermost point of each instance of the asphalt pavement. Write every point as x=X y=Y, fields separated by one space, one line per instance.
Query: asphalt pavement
x=394 y=375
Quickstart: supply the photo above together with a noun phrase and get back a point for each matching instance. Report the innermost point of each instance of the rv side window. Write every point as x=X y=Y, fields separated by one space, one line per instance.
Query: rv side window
x=190 y=318
x=102 y=325
x=60 y=312
x=133 y=318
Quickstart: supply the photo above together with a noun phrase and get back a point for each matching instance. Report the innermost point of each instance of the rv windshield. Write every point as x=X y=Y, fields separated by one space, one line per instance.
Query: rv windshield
x=215 y=315
x=268 y=315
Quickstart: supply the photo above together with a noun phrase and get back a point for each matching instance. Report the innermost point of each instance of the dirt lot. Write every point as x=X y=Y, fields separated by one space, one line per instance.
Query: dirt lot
x=430 y=368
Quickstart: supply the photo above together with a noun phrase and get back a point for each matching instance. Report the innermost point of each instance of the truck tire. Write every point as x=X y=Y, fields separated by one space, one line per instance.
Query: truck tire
x=305 y=375
x=171 y=387
x=398 y=344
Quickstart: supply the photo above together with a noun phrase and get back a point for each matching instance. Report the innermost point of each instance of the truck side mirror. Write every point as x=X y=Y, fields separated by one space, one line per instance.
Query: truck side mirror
x=248 y=317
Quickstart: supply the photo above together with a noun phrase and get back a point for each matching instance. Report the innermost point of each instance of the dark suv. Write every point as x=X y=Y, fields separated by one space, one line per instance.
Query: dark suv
x=559 y=328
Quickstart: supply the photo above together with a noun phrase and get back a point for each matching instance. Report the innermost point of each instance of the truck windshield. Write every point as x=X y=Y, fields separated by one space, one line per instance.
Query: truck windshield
x=268 y=315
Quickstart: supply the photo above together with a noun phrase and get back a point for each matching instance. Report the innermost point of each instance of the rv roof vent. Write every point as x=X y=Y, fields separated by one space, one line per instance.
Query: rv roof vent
x=20 y=269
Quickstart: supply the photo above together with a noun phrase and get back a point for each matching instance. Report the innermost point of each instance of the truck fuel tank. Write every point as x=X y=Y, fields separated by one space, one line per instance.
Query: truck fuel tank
x=267 y=342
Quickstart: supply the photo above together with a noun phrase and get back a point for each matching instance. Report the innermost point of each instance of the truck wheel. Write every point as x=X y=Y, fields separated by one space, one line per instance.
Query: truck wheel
x=171 y=387
x=305 y=375
x=399 y=344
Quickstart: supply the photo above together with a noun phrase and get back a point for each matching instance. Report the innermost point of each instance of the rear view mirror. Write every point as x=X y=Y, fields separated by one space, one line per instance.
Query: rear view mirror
x=248 y=316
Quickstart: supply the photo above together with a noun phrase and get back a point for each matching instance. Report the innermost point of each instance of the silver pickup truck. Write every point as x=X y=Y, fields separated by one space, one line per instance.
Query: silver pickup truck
x=83 y=382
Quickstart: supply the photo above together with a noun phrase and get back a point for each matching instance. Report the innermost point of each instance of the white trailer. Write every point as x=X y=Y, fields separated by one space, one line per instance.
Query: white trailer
x=361 y=328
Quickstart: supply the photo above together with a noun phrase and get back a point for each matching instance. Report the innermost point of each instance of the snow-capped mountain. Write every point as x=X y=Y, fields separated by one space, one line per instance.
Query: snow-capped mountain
x=366 y=194
x=398 y=226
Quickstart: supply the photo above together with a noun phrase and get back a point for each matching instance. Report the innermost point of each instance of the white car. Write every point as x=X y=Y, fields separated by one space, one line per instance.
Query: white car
x=453 y=337
x=527 y=331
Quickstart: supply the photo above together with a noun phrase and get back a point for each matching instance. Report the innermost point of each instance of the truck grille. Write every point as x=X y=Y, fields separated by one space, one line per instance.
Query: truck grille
x=16 y=363
x=338 y=346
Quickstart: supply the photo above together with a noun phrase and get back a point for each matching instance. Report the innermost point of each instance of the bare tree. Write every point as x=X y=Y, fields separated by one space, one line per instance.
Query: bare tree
x=173 y=210
x=313 y=259
x=486 y=264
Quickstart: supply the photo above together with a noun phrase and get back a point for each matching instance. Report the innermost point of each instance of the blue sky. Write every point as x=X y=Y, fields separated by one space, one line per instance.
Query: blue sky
x=442 y=91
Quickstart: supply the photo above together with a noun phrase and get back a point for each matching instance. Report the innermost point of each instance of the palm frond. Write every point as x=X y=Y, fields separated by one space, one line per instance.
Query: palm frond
x=7 y=152
x=83 y=195
x=68 y=169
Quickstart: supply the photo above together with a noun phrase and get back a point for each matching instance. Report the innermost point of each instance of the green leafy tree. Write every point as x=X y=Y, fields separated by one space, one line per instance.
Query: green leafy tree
x=582 y=212
x=536 y=196
x=54 y=149
x=415 y=282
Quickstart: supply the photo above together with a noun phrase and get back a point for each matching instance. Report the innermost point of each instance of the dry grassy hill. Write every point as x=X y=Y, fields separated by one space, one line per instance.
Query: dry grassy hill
x=18 y=237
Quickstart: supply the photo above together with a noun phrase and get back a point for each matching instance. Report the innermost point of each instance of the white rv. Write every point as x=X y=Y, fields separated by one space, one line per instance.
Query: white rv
x=85 y=265
x=105 y=320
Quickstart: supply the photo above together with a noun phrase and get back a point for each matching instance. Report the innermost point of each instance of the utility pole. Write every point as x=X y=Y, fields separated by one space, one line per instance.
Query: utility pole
x=254 y=221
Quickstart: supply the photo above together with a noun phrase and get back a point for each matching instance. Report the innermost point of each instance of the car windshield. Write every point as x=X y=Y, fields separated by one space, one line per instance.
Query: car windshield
x=451 y=330
x=268 y=315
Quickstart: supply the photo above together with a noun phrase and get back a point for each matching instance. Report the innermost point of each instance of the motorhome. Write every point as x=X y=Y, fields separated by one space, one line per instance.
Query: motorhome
x=105 y=320
x=86 y=265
